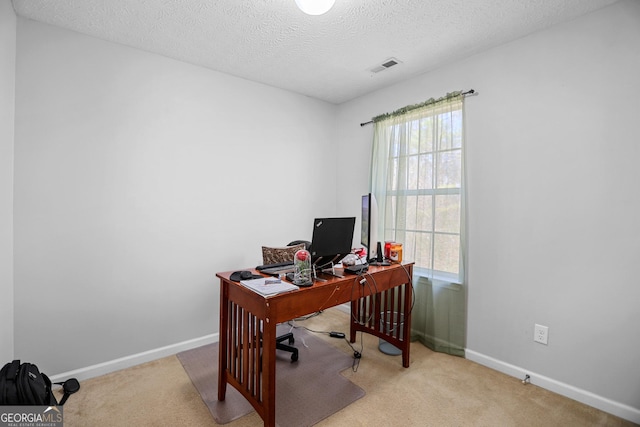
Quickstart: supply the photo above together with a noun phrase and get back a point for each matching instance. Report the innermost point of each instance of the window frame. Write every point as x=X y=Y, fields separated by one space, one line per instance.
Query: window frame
x=398 y=155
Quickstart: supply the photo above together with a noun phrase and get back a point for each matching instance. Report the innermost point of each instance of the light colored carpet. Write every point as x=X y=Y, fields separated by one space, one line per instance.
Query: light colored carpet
x=436 y=390
x=307 y=391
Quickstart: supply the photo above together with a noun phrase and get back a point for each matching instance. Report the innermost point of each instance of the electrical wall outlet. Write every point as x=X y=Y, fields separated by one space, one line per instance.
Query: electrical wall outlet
x=541 y=334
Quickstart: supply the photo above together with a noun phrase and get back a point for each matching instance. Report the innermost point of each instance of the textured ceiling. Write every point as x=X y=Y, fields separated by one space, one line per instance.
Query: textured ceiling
x=328 y=57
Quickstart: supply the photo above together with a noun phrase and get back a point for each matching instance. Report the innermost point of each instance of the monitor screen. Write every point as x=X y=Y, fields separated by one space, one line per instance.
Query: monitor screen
x=369 y=222
x=332 y=239
x=365 y=232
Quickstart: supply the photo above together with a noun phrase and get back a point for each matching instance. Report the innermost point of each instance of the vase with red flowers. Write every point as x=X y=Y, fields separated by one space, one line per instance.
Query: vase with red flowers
x=302 y=274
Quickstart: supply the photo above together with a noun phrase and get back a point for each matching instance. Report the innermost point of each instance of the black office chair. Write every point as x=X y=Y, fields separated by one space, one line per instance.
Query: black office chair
x=271 y=255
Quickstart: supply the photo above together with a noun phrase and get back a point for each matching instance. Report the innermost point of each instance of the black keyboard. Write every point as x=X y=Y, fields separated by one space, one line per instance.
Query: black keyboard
x=279 y=264
x=276 y=269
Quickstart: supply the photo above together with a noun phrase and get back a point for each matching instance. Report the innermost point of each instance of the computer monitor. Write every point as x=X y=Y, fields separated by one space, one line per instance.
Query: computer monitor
x=332 y=239
x=369 y=222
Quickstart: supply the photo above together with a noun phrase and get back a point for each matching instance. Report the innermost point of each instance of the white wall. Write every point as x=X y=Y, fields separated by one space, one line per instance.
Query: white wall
x=137 y=178
x=553 y=205
x=7 y=100
x=141 y=180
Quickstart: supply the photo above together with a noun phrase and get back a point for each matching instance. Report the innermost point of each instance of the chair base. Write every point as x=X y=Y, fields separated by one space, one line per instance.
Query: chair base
x=280 y=345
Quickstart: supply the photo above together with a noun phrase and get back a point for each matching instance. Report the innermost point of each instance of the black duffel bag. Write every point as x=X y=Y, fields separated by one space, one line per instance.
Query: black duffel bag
x=24 y=384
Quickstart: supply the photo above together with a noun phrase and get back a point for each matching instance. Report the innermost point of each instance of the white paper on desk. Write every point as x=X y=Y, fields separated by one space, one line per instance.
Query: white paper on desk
x=260 y=287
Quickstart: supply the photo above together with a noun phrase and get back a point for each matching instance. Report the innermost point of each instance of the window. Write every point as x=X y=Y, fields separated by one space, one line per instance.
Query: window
x=417 y=171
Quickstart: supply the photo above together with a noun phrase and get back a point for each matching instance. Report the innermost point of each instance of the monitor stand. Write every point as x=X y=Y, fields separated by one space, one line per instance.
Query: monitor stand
x=328 y=271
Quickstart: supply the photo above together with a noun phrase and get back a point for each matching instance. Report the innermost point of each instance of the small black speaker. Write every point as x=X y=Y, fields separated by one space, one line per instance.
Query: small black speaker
x=379 y=256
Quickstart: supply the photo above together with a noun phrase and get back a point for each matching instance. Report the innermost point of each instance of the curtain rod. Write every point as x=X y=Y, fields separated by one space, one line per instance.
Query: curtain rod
x=469 y=92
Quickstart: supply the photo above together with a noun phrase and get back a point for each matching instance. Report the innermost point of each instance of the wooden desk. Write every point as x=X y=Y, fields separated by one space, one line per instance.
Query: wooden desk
x=248 y=325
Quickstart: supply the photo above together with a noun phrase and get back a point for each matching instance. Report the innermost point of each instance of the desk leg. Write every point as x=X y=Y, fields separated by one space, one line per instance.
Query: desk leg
x=223 y=342
x=247 y=356
x=408 y=301
x=269 y=373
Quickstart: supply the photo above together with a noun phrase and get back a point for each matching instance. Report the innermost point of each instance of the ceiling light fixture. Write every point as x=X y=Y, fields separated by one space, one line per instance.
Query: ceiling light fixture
x=315 y=7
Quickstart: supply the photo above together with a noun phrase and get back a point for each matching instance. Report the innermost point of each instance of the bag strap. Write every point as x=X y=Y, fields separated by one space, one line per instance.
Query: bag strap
x=69 y=387
x=50 y=397
x=14 y=367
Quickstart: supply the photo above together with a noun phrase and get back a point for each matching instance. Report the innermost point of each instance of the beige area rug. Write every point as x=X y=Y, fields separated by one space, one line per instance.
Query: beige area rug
x=307 y=391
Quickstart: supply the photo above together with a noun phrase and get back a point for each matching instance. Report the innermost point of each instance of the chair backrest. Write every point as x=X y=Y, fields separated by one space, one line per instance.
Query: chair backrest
x=307 y=244
x=273 y=255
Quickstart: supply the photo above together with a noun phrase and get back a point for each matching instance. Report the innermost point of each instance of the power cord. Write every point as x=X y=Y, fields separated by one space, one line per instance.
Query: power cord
x=357 y=355
x=410 y=282
x=361 y=280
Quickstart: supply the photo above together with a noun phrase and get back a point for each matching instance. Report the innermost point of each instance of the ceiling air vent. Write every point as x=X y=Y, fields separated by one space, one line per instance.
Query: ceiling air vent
x=385 y=65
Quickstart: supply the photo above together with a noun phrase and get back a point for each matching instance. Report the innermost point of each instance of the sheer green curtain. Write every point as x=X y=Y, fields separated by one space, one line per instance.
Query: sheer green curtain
x=417 y=177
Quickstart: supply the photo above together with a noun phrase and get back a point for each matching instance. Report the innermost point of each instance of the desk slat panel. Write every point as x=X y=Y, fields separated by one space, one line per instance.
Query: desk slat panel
x=385 y=315
x=254 y=359
x=233 y=327
x=244 y=355
x=243 y=362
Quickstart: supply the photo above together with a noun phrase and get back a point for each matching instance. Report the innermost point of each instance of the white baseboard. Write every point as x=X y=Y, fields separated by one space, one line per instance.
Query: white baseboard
x=147 y=356
x=133 y=360
x=607 y=405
